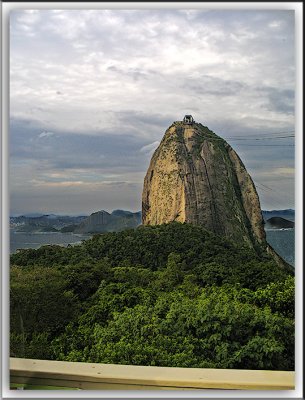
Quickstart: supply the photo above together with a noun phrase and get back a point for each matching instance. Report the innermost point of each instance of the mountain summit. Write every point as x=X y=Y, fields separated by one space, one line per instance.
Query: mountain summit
x=196 y=177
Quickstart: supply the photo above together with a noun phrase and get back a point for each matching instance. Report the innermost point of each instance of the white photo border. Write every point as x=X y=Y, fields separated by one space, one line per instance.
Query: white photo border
x=9 y=6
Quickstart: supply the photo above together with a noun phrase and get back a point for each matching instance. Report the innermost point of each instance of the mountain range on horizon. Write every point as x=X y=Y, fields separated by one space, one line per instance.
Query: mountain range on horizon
x=289 y=212
x=99 y=221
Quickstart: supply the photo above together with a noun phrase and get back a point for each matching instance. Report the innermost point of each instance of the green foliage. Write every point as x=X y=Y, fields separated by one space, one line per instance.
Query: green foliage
x=39 y=300
x=49 y=256
x=214 y=330
x=170 y=295
x=35 y=345
x=40 y=307
x=84 y=277
x=278 y=296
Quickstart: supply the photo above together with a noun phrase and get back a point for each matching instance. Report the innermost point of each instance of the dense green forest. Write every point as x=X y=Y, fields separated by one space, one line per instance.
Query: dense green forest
x=170 y=295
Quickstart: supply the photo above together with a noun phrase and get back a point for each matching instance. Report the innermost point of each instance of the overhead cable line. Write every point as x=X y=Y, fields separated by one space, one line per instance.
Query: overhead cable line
x=271 y=133
x=263 y=138
x=270 y=145
x=271 y=192
x=251 y=138
x=265 y=186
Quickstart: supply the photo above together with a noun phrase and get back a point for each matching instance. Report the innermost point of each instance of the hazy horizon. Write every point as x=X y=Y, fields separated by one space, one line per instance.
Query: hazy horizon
x=109 y=211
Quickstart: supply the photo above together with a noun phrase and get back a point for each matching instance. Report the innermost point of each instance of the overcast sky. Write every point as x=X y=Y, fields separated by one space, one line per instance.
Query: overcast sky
x=93 y=91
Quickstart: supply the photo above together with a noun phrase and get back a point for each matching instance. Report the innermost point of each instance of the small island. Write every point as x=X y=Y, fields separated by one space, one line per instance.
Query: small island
x=279 y=223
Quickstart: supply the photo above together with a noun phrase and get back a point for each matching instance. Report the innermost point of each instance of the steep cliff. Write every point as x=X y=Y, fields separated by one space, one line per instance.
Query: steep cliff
x=196 y=177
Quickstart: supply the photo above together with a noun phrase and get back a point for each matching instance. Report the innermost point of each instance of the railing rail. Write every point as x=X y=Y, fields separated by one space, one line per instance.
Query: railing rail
x=108 y=376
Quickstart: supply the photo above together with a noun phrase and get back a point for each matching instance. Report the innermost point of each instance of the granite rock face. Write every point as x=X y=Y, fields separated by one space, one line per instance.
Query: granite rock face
x=196 y=177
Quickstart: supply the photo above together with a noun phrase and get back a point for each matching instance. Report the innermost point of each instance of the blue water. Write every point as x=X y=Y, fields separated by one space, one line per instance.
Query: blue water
x=21 y=240
x=283 y=242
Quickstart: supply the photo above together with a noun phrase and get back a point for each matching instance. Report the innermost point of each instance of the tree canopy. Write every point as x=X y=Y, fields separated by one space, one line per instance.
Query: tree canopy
x=168 y=295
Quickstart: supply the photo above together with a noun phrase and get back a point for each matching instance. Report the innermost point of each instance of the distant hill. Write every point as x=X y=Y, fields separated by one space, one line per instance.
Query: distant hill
x=98 y=222
x=121 y=213
x=102 y=221
x=33 y=215
x=43 y=223
x=279 y=223
x=287 y=214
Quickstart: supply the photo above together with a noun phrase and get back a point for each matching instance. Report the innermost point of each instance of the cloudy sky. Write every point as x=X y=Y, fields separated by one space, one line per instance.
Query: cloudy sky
x=93 y=91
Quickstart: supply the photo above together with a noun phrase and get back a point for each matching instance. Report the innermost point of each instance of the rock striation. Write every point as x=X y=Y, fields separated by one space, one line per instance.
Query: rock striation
x=196 y=177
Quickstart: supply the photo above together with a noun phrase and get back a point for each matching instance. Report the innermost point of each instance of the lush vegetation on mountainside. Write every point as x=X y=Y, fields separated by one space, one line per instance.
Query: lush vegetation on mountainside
x=169 y=295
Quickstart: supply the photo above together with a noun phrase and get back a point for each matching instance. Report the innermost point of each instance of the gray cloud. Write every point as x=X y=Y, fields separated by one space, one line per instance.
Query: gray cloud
x=281 y=101
x=89 y=108
x=209 y=85
x=150 y=148
x=45 y=134
x=62 y=150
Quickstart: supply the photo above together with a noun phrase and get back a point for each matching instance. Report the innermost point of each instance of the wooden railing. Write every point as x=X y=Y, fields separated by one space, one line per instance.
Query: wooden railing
x=125 y=377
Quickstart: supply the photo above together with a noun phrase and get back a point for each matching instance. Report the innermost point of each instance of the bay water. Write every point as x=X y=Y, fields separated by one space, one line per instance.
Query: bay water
x=25 y=240
x=283 y=242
